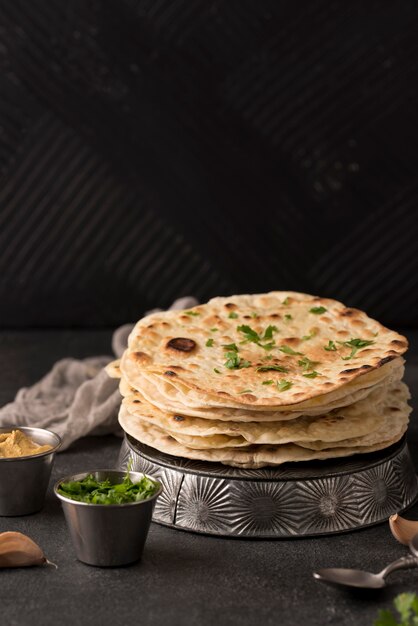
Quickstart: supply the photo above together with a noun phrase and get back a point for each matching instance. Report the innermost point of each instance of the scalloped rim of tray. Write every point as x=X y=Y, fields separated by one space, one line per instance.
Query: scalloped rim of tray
x=293 y=500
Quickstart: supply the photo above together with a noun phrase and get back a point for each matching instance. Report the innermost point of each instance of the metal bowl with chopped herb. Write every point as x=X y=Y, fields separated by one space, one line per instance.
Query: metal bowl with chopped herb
x=108 y=514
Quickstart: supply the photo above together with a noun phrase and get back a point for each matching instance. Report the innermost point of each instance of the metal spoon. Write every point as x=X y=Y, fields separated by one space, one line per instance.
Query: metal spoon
x=365 y=580
x=413 y=545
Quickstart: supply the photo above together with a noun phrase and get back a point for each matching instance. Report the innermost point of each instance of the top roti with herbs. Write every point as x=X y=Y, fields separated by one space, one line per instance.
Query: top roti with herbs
x=269 y=350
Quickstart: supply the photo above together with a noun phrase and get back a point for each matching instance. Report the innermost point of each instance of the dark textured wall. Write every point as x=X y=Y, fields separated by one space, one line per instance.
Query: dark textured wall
x=156 y=148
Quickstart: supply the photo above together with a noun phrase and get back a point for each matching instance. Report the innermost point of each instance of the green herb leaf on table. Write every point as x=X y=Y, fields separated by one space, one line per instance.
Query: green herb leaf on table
x=406 y=604
x=386 y=618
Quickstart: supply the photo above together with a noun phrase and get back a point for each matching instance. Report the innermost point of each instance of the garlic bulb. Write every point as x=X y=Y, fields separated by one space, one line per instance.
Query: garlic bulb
x=18 y=550
x=403 y=529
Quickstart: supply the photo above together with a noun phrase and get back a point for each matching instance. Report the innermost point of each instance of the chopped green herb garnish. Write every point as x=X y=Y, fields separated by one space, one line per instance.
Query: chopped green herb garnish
x=250 y=334
x=234 y=361
x=307 y=337
x=230 y=346
x=289 y=350
x=276 y=368
x=215 y=369
x=233 y=315
x=104 y=492
x=254 y=315
x=245 y=391
x=284 y=385
x=193 y=313
x=286 y=301
x=209 y=343
x=311 y=374
x=268 y=333
x=306 y=364
x=331 y=347
x=318 y=310
x=267 y=346
x=288 y=316
x=355 y=345
x=268 y=357
x=214 y=330
x=267 y=382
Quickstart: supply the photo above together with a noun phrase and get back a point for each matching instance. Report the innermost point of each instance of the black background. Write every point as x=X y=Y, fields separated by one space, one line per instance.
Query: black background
x=152 y=149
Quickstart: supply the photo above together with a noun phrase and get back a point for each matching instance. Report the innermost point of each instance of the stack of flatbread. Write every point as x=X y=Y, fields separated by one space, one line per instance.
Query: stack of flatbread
x=258 y=380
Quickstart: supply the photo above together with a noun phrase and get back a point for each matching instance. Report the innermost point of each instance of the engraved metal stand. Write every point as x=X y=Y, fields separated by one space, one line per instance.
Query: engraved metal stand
x=297 y=499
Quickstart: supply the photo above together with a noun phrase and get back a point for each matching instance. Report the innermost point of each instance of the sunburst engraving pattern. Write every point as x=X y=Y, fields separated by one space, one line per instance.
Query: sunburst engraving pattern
x=265 y=509
x=146 y=467
x=165 y=507
x=266 y=473
x=326 y=505
x=204 y=505
x=408 y=482
x=378 y=493
x=124 y=456
x=293 y=500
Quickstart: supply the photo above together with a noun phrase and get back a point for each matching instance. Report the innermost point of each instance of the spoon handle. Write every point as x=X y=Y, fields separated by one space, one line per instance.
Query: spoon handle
x=405 y=562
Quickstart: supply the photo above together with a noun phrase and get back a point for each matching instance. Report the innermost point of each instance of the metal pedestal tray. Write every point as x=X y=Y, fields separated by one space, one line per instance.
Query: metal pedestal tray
x=294 y=500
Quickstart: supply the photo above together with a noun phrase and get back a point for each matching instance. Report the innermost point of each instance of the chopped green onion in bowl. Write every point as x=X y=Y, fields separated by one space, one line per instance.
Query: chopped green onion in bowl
x=92 y=491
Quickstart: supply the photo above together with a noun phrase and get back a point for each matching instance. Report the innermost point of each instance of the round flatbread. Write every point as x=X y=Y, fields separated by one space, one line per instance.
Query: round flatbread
x=358 y=419
x=365 y=423
x=250 y=457
x=271 y=350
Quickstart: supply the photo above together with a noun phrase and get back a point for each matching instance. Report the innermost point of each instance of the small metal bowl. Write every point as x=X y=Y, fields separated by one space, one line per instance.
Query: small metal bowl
x=24 y=479
x=108 y=535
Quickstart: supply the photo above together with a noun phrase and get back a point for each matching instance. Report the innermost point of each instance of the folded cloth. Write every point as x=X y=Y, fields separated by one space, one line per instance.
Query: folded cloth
x=77 y=397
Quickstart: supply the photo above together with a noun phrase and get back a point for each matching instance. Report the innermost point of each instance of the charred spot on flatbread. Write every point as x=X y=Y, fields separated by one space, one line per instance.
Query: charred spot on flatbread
x=181 y=344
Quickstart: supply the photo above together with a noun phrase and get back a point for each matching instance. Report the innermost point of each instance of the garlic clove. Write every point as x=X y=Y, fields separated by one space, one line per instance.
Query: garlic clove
x=18 y=550
x=402 y=529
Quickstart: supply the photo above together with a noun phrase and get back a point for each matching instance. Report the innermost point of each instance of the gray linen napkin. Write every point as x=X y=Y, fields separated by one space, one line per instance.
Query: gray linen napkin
x=77 y=397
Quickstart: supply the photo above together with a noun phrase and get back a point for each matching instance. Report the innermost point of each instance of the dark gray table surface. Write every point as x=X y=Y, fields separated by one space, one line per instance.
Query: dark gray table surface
x=183 y=578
